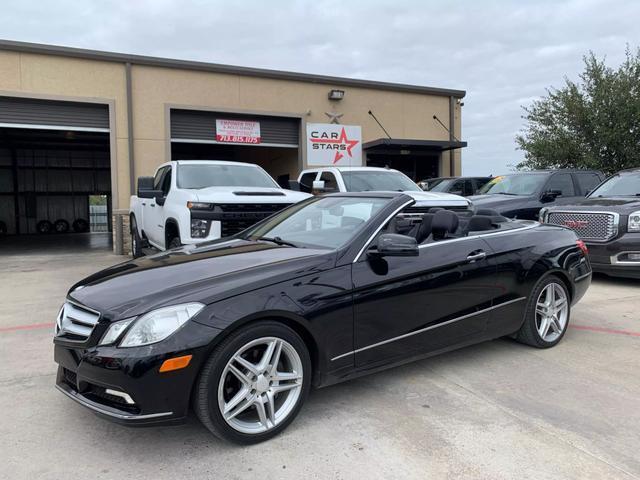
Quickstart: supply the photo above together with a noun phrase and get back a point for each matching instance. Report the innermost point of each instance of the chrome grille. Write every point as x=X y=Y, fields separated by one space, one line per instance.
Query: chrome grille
x=594 y=226
x=75 y=322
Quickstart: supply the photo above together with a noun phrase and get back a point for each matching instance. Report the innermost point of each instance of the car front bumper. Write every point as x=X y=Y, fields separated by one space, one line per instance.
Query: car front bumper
x=612 y=258
x=124 y=384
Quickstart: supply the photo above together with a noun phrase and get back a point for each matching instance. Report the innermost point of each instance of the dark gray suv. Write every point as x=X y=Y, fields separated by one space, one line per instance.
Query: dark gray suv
x=522 y=195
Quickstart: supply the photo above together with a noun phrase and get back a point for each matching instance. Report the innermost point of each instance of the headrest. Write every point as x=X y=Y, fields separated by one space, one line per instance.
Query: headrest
x=488 y=212
x=444 y=222
x=479 y=223
x=425 y=227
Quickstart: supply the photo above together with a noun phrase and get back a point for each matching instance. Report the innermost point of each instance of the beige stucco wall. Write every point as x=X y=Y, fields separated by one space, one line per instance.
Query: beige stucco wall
x=405 y=115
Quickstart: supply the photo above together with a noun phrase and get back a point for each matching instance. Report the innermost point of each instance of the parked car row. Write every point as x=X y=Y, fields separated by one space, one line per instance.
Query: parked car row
x=189 y=202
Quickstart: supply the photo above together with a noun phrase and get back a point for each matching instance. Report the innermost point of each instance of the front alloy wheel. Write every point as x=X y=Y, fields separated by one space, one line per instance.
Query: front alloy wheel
x=260 y=385
x=254 y=383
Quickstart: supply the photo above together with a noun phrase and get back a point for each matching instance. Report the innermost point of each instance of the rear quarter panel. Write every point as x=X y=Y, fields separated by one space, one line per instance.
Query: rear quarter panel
x=522 y=258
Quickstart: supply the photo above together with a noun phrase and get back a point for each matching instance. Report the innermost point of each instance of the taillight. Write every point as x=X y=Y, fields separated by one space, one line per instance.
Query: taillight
x=582 y=246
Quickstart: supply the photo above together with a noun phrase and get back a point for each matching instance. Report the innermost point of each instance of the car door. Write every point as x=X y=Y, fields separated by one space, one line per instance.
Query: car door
x=586 y=182
x=156 y=215
x=410 y=305
x=149 y=208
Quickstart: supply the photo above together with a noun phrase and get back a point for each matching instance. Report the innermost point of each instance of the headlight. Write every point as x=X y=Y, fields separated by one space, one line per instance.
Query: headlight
x=159 y=324
x=634 y=222
x=199 y=206
x=115 y=330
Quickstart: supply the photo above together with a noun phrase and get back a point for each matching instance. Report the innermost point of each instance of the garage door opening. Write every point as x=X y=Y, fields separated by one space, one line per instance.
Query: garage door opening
x=48 y=179
x=416 y=167
x=271 y=142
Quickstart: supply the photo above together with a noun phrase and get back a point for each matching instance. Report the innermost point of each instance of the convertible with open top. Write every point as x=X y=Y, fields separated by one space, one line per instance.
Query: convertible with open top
x=239 y=329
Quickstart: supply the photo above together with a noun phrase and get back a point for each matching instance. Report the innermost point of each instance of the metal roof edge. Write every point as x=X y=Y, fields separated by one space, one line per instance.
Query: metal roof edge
x=39 y=48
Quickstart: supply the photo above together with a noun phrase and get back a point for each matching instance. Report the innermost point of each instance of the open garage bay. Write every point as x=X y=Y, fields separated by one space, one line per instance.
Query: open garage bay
x=495 y=410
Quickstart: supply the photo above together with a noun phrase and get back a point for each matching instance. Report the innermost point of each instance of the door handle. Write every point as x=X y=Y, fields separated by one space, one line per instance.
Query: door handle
x=477 y=255
x=153 y=204
x=143 y=204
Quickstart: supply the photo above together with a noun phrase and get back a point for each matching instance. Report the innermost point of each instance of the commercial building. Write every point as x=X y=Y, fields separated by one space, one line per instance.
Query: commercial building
x=78 y=123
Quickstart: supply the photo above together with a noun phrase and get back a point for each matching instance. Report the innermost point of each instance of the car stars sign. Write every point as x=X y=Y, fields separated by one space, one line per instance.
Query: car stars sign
x=334 y=145
x=237 y=131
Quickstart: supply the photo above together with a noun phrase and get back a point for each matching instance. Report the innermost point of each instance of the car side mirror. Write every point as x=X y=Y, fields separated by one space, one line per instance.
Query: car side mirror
x=144 y=183
x=396 y=245
x=319 y=187
x=550 y=195
x=456 y=192
x=160 y=199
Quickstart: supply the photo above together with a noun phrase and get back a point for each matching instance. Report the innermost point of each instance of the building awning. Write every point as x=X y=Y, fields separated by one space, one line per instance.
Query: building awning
x=382 y=145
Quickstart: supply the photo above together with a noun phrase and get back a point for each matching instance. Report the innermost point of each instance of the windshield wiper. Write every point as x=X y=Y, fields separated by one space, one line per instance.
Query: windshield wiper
x=506 y=193
x=278 y=241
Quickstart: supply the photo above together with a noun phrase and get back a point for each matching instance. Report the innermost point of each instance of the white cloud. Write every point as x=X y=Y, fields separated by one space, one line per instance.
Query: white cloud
x=503 y=53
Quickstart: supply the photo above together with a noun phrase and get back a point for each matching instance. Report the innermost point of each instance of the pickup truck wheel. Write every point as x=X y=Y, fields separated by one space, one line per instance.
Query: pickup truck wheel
x=136 y=241
x=175 y=242
x=254 y=383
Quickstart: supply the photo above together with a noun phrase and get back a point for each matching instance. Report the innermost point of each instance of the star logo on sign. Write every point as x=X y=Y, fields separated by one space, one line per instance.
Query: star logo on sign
x=334 y=117
x=341 y=140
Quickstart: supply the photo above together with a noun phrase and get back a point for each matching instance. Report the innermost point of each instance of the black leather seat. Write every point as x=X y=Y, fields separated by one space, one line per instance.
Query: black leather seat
x=444 y=224
x=424 y=228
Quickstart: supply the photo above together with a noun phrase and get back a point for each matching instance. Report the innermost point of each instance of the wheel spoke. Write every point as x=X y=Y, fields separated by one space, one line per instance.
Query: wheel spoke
x=241 y=376
x=267 y=356
x=240 y=400
x=560 y=302
x=286 y=376
x=555 y=325
x=271 y=407
x=246 y=364
x=544 y=327
x=262 y=413
x=275 y=359
x=284 y=387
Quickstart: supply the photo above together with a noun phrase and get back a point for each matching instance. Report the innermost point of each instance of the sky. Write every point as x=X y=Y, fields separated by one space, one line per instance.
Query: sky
x=504 y=54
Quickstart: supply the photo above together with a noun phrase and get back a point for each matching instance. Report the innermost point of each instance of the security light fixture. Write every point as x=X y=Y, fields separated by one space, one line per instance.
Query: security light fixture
x=336 y=94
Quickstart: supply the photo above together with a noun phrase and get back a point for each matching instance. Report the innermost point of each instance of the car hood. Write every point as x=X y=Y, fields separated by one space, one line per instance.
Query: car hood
x=195 y=273
x=622 y=205
x=498 y=201
x=248 y=195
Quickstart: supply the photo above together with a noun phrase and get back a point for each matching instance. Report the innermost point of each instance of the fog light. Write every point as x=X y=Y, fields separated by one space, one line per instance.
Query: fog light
x=200 y=228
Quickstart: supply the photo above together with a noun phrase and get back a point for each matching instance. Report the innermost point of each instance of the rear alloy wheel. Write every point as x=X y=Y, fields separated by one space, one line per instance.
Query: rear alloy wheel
x=547 y=314
x=254 y=384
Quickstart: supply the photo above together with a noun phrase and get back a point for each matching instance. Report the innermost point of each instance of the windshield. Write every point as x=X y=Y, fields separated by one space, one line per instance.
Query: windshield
x=322 y=222
x=381 y=181
x=208 y=175
x=626 y=185
x=517 y=184
x=441 y=186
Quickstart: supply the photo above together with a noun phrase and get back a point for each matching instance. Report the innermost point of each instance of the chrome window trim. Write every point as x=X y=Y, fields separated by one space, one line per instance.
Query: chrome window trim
x=96 y=407
x=533 y=224
x=616 y=221
x=431 y=327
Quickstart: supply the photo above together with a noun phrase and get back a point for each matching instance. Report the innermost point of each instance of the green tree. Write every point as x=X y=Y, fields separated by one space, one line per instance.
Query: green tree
x=593 y=123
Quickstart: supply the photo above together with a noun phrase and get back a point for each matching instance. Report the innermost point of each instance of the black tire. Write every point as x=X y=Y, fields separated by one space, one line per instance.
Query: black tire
x=80 y=225
x=528 y=333
x=136 y=240
x=61 y=226
x=206 y=390
x=44 y=227
x=175 y=243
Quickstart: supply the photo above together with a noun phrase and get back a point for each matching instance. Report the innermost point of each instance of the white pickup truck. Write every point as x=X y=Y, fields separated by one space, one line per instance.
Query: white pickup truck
x=191 y=201
x=367 y=179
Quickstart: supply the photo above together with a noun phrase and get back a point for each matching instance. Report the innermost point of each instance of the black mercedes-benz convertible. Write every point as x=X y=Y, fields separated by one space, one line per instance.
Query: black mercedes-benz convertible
x=337 y=286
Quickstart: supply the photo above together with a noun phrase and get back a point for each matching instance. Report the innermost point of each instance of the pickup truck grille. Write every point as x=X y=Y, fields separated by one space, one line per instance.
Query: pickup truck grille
x=240 y=216
x=594 y=226
x=75 y=322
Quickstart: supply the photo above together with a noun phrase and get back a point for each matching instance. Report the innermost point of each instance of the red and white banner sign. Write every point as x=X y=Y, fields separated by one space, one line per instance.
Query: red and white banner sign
x=237 y=131
x=330 y=144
